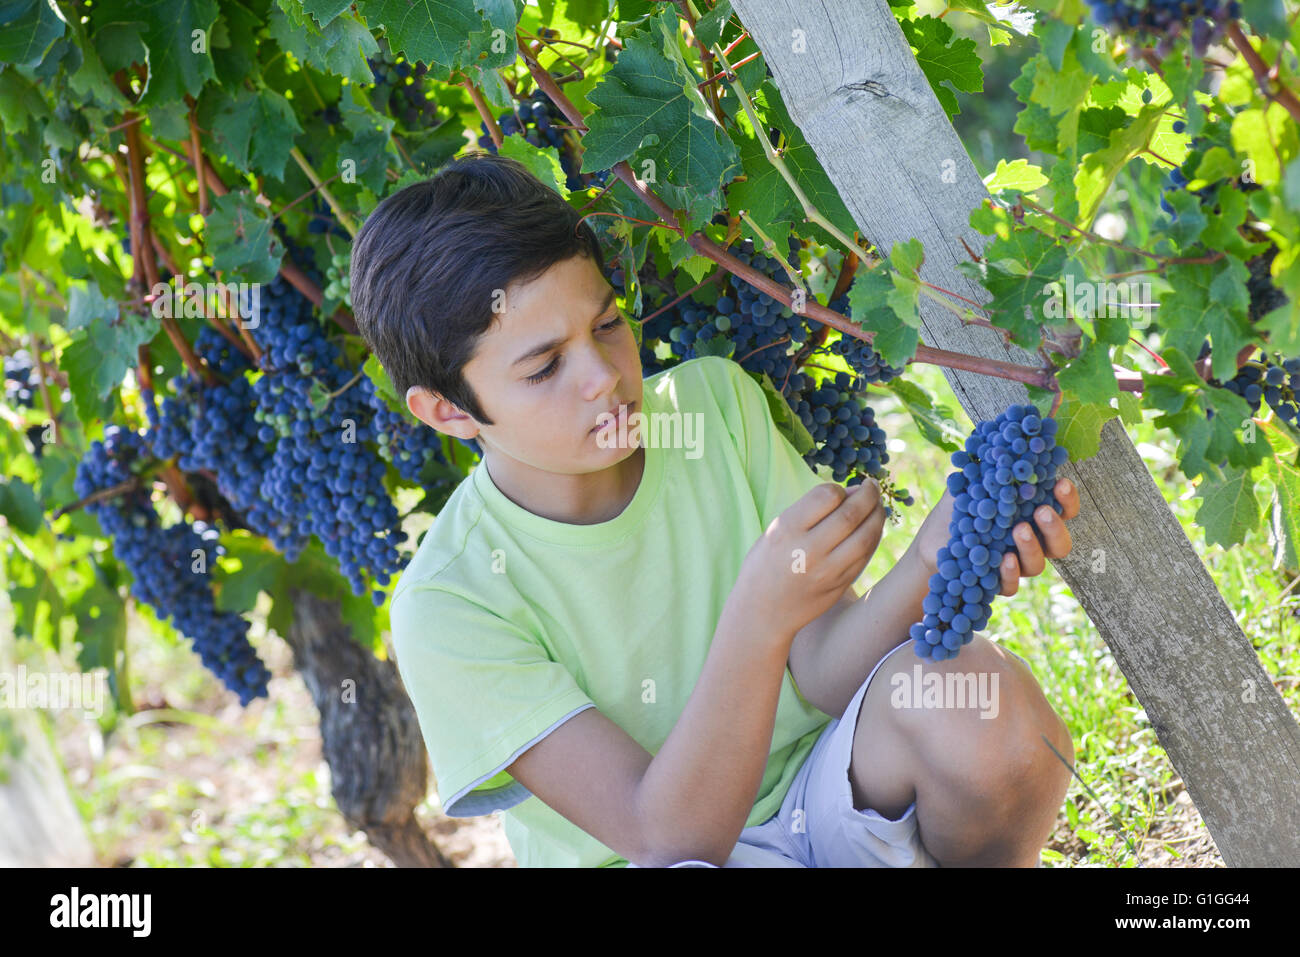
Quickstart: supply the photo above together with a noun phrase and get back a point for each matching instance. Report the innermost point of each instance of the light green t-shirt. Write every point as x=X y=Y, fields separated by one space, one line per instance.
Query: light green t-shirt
x=506 y=624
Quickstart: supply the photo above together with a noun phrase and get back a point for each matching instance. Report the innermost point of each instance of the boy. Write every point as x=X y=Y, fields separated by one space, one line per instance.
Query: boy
x=651 y=652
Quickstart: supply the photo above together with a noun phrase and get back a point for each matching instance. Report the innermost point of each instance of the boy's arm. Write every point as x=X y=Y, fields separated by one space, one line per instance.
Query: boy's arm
x=832 y=656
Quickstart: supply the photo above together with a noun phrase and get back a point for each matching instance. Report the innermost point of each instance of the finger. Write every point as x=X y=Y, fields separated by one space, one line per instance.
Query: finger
x=1010 y=573
x=1068 y=496
x=816 y=504
x=854 y=509
x=1056 y=537
x=853 y=553
x=1030 y=552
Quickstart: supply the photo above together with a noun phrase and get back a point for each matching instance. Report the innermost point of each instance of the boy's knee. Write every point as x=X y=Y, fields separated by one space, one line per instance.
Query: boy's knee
x=987 y=741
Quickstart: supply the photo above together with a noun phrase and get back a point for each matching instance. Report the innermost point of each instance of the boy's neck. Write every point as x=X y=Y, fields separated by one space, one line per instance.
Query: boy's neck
x=586 y=499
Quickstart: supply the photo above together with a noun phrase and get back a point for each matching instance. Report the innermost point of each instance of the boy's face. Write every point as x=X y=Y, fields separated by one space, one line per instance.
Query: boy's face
x=560 y=354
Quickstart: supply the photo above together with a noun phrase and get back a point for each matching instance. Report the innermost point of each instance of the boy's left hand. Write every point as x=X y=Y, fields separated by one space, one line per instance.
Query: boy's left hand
x=1029 y=556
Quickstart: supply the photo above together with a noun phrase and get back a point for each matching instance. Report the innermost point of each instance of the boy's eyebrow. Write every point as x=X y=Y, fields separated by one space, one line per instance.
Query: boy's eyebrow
x=547 y=346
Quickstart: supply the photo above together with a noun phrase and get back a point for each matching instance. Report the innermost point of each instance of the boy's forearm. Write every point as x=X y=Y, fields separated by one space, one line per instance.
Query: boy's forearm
x=698 y=790
x=862 y=633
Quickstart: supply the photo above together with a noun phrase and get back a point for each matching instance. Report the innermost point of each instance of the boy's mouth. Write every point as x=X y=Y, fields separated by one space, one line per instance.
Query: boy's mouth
x=621 y=413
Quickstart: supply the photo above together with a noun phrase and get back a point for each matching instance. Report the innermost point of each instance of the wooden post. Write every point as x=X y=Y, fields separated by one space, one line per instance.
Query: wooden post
x=854 y=88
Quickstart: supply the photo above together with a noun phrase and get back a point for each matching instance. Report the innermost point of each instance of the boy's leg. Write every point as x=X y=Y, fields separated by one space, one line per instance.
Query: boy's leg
x=987 y=789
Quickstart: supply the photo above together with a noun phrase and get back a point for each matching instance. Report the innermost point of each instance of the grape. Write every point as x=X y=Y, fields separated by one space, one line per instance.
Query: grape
x=541 y=123
x=399 y=90
x=1205 y=19
x=1275 y=381
x=843 y=427
x=1000 y=481
x=162 y=563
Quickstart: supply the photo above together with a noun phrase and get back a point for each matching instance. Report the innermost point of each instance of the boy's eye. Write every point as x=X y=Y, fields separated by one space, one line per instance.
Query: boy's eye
x=549 y=371
x=545 y=373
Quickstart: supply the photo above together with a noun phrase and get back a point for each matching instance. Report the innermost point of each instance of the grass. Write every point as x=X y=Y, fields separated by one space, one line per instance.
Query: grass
x=194 y=780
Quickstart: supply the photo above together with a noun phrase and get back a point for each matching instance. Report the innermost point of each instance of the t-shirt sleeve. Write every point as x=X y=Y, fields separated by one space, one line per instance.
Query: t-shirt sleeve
x=484 y=692
x=778 y=475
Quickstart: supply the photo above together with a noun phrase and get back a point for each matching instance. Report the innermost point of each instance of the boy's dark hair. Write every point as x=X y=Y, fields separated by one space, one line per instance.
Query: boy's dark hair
x=427 y=259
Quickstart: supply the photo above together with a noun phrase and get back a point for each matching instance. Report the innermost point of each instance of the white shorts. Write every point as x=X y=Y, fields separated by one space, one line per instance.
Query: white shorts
x=817 y=825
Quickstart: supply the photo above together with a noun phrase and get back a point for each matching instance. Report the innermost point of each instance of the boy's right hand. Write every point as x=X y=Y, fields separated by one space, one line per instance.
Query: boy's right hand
x=809 y=555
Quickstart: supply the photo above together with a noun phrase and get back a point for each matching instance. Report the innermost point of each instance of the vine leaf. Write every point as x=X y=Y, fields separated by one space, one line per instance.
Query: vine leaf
x=1208 y=299
x=447 y=34
x=250 y=112
x=764 y=192
x=27 y=37
x=98 y=359
x=1206 y=442
x=1229 y=508
x=787 y=423
x=1090 y=376
x=935 y=422
x=943 y=56
x=18 y=503
x=650 y=113
x=906 y=258
x=339 y=46
x=1080 y=427
x=167 y=30
x=871 y=307
x=240 y=239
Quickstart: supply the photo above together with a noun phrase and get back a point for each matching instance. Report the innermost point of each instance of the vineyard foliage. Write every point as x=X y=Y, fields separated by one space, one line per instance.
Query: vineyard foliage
x=196 y=445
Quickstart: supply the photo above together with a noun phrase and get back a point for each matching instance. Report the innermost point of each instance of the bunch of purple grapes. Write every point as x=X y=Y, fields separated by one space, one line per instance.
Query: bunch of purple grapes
x=1272 y=380
x=1006 y=470
x=169 y=566
x=541 y=123
x=1205 y=20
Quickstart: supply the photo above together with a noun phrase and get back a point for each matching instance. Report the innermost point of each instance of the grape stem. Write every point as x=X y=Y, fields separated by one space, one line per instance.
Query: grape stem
x=480 y=104
x=1040 y=377
x=1282 y=94
x=345 y=220
x=100 y=495
x=142 y=250
x=706 y=87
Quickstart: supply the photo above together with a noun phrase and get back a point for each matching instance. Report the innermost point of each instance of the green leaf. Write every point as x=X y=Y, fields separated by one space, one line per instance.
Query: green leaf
x=544 y=164
x=1266 y=17
x=650 y=113
x=383 y=384
x=944 y=57
x=166 y=27
x=260 y=568
x=787 y=423
x=1098 y=169
x=1130 y=408
x=1018 y=175
x=1090 y=376
x=87 y=305
x=339 y=46
x=250 y=113
x=1208 y=299
x=1228 y=509
x=239 y=238
x=1285 y=516
x=935 y=422
x=97 y=361
x=447 y=33
x=29 y=29
x=1080 y=427
x=18 y=503
x=764 y=192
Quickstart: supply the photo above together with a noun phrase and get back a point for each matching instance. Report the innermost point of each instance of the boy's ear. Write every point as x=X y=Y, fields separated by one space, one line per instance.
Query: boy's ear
x=438 y=413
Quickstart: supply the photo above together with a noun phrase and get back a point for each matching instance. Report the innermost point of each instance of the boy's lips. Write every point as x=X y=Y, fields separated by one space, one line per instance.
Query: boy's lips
x=620 y=416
